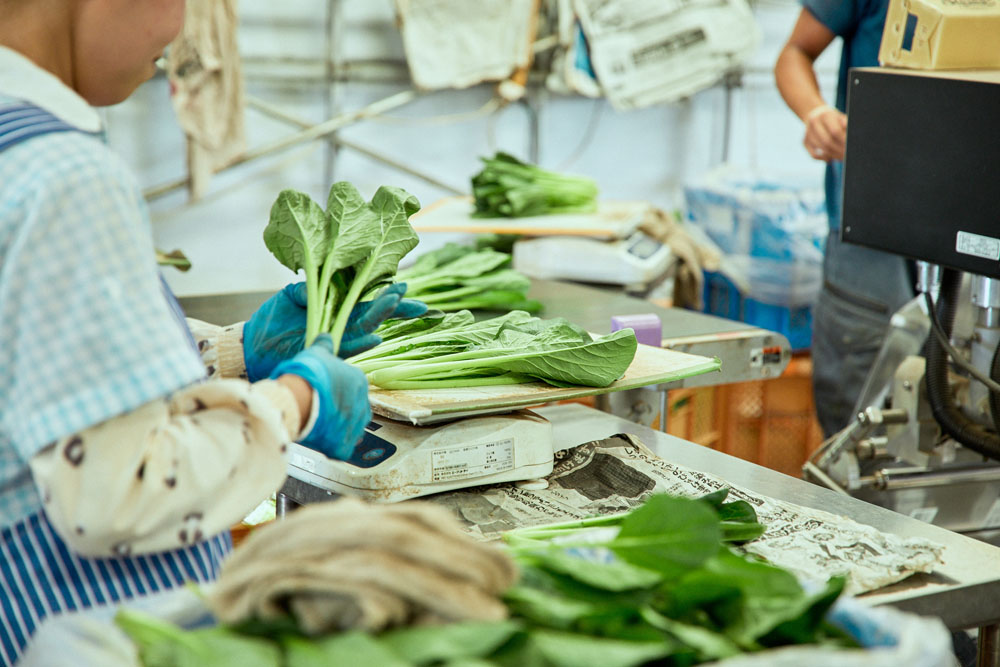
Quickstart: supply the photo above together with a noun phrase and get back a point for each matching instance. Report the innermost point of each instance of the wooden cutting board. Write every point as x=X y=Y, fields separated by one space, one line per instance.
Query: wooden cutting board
x=651 y=366
x=611 y=220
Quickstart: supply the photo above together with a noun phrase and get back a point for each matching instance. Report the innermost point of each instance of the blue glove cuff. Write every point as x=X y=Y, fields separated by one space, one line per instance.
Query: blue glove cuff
x=328 y=435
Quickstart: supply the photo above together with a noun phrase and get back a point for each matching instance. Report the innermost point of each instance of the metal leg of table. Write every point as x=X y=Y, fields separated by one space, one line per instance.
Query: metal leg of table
x=988 y=654
x=663 y=410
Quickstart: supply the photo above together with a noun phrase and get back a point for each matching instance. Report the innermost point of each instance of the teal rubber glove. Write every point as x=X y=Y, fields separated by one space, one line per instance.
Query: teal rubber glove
x=368 y=315
x=342 y=391
x=276 y=331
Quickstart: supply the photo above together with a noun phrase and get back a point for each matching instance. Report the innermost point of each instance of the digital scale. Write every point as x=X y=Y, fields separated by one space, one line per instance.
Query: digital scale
x=395 y=461
x=425 y=441
x=637 y=259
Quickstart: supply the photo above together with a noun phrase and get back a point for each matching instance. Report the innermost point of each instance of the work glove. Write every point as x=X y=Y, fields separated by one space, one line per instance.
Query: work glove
x=368 y=315
x=342 y=392
x=347 y=564
x=276 y=331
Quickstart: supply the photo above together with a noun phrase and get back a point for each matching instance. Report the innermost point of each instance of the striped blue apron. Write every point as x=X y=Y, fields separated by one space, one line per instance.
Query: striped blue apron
x=39 y=575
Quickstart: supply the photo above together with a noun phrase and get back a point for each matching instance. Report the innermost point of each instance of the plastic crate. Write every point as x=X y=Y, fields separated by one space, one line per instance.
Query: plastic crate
x=793 y=319
x=749 y=212
x=795 y=322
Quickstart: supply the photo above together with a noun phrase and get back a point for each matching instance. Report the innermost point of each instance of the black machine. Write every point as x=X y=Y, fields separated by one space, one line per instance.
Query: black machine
x=921 y=175
x=920 y=180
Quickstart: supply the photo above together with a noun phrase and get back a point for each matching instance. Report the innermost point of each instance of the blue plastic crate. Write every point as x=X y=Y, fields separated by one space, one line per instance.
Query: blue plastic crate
x=794 y=322
x=723 y=298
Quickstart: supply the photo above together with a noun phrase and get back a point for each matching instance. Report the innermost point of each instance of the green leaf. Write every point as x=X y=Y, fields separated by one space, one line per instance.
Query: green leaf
x=708 y=644
x=456 y=272
x=745 y=597
x=805 y=620
x=614 y=576
x=668 y=535
x=740 y=531
x=550 y=609
x=387 y=239
x=350 y=649
x=395 y=328
x=508 y=187
x=562 y=649
x=298 y=233
x=429 y=261
x=595 y=364
x=163 y=644
x=428 y=644
x=716 y=498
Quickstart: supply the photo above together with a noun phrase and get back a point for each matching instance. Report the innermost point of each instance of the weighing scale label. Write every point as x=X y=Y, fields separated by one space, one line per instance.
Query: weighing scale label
x=472 y=460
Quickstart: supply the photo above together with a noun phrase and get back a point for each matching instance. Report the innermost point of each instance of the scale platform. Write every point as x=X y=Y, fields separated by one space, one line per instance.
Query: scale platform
x=611 y=220
x=396 y=461
x=436 y=440
x=635 y=260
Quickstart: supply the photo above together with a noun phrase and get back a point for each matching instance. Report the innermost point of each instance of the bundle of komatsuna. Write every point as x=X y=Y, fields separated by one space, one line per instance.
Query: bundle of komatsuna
x=663 y=585
x=351 y=250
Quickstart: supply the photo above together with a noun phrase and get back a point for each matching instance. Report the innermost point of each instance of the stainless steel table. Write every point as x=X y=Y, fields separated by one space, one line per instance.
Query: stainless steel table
x=747 y=352
x=964 y=592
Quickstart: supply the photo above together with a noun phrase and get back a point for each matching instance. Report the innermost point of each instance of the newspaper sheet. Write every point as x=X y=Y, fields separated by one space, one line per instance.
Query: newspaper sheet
x=617 y=474
x=653 y=51
x=456 y=43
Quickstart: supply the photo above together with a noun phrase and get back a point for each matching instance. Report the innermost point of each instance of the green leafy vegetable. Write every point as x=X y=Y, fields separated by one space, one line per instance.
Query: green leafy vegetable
x=456 y=277
x=658 y=585
x=507 y=187
x=575 y=650
x=512 y=349
x=163 y=644
x=430 y=644
x=347 y=251
x=670 y=576
x=349 y=649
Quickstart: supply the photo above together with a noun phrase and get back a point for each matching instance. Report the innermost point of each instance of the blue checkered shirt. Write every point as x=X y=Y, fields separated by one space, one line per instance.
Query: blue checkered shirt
x=86 y=332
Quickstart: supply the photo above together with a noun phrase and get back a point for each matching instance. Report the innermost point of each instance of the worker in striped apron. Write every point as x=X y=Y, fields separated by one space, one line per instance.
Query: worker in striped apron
x=121 y=467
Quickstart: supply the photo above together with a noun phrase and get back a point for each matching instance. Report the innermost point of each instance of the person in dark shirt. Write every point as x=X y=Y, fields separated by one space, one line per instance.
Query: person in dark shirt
x=862 y=287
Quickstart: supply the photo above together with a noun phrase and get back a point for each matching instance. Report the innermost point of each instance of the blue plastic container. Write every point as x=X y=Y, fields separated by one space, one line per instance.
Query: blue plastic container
x=771 y=294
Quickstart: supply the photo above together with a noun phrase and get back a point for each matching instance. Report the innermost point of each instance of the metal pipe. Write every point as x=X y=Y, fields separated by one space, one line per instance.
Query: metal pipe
x=663 y=410
x=988 y=646
x=827 y=481
x=875 y=447
x=917 y=478
x=988 y=318
x=331 y=46
x=313 y=132
x=985 y=292
x=278 y=114
x=928 y=277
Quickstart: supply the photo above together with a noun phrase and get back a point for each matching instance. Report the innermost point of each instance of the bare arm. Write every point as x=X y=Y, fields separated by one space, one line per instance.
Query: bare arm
x=826 y=128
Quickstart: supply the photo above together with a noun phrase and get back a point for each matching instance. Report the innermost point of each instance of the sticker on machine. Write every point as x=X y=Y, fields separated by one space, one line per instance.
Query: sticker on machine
x=977 y=245
x=465 y=461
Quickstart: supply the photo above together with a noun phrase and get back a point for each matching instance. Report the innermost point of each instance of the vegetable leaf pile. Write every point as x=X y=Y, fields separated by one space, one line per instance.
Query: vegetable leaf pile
x=507 y=187
x=659 y=585
x=347 y=252
x=440 y=351
x=456 y=277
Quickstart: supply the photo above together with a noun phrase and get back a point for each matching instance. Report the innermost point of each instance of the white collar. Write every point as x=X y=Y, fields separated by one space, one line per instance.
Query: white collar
x=24 y=80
